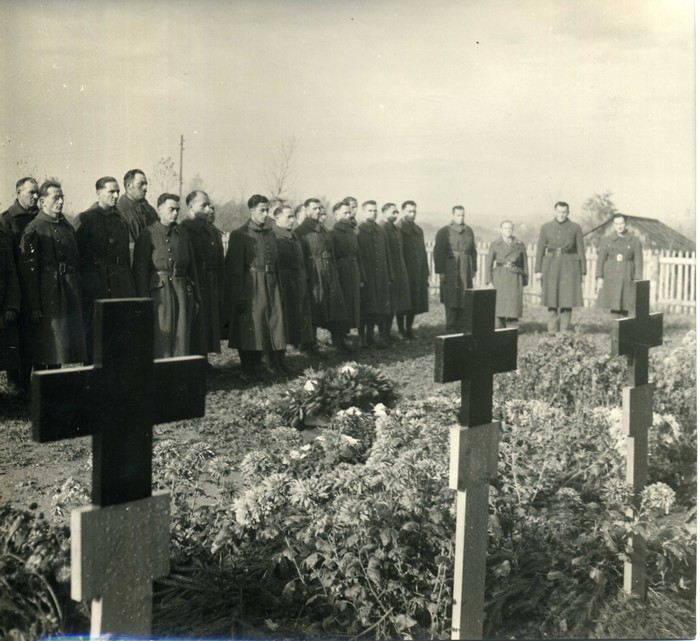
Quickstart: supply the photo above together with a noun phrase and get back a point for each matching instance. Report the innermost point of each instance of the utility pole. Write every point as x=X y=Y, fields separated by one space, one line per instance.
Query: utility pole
x=182 y=149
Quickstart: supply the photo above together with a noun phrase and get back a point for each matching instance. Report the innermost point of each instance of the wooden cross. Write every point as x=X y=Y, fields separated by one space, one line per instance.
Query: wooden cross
x=633 y=337
x=473 y=358
x=120 y=543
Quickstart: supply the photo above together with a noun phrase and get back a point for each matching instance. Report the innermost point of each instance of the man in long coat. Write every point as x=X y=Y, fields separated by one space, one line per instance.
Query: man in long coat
x=375 y=297
x=218 y=236
x=48 y=268
x=207 y=248
x=399 y=288
x=164 y=269
x=252 y=273
x=347 y=260
x=14 y=221
x=9 y=306
x=455 y=259
x=327 y=302
x=561 y=265
x=619 y=263
x=294 y=283
x=417 y=267
x=507 y=269
x=103 y=244
x=134 y=207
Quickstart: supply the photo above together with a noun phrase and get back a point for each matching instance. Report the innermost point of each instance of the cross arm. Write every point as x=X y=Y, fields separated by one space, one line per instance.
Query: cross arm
x=463 y=356
x=180 y=385
x=630 y=334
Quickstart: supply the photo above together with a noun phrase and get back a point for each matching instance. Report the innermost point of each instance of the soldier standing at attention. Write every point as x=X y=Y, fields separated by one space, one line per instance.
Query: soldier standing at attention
x=416 y=260
x=14 y=220
x=560 y=264
x=454 y=256
x=134 y=207
x=375 y=300
x=252 y=273
x=506 y=268
x=49 y=279
x=164 y=269
x=351 y=202
x=619 y=263
x=399 y=289
x=103 y=244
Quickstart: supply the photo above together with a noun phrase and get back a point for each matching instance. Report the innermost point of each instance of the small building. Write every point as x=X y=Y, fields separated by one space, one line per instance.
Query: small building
x=654 y=234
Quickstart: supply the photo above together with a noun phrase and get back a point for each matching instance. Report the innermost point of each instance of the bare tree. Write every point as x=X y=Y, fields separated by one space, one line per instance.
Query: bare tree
x=164 y=176
x=279 y=173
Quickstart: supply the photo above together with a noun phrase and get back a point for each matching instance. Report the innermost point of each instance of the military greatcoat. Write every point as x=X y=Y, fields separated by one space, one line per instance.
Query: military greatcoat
x=9 y=301
x=399 y=289
x=164 y=270
x=327 y=301
x=619 y=263
x=218 y=237
x=206 y=333
x=561 y=257
x=375 y=297
x=294 y=287
x=416 y=261
x=506 y=268
x=454 y=255
x=48 y=267
x=350 y=269
x=138 y=215
x=252 y=274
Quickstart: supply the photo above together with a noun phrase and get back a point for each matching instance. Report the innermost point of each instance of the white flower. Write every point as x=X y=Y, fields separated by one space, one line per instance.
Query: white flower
x=380 y=409
x=349 y=439
x=348 y=369
x=310 y=386
x=351 y=411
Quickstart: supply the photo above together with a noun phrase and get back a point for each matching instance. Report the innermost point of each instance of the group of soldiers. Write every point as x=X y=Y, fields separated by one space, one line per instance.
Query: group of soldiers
x=283 y=276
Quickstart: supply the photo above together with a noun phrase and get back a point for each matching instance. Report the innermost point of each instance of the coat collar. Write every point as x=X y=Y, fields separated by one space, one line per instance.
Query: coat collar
x=460 y=229
x=17 y=210
x=343 y=225
x=312 y=224
x=281 y=231
x=61 y=219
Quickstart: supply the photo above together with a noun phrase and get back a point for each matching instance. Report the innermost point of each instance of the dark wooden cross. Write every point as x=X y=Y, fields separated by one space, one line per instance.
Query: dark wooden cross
x=473 y=358
x=121 y=542
x=633 y=337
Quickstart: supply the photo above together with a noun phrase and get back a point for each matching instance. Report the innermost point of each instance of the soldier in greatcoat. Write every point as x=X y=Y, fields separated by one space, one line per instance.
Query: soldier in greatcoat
x=351 y=202
x=327 y=302
x=506 y=268
x=375 y=297
x=399 y=289
x=619 y=263
x=103 y=244
x=207 y=248
x=165 y=270
x=9 y=307
x=294 y=282
x=14 y=221
x=48 y=268
x=350 y=271
x=454 y=256
x=417 y=267
x=252 y=280
x=134 y=207
x=560 y=264
x=218 y=236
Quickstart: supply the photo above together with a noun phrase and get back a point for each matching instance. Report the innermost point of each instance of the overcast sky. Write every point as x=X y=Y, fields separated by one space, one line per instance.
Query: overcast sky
x=502 y=105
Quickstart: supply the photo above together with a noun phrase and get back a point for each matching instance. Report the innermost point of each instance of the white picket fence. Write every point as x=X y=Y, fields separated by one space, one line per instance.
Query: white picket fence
x=671 y=274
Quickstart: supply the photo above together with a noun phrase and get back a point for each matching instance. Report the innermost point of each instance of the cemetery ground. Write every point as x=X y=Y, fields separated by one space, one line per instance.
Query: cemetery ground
x=346 y=529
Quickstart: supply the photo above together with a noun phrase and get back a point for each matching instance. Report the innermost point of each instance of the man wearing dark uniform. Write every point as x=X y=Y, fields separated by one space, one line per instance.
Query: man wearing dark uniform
x=134 y=207
x=506 y=268
x=9 y=307
x=619 y=263
x=416 y=260
x=399 y=288
x=375 y=299
x=164 y=269
x=218 y=235
x=14 y=221
x=560 y=264
x=252 y=280
x=454 y=256
x=103 y=244
x=48 y=269
x=206 y=246
x=327 y=302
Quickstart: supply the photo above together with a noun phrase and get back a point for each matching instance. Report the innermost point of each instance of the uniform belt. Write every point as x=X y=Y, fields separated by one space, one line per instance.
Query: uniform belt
x=558 y=251
x=506 y=263
x=268 y=269
x=323 y=254
x=350 y=259
x=61 y=268
x=117 y=260
x=175 y=271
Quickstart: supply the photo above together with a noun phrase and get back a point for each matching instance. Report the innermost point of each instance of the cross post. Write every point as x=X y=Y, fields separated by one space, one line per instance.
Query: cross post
x=120 y=543
x=473 y=358
x=633 y=337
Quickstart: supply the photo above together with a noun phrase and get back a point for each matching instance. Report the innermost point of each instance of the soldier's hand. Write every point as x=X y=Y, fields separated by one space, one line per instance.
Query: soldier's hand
x=240 y=306
x=36 y=316
x=10 y=315
x=599 y=283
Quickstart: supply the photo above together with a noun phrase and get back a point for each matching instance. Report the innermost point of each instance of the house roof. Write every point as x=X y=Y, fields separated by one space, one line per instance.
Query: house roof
x=653 y=233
